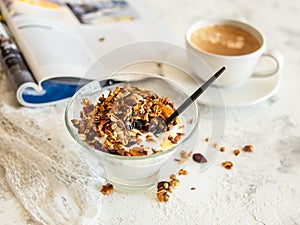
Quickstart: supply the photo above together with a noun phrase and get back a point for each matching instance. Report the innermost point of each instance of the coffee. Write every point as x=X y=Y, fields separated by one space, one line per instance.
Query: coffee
x=224 y=40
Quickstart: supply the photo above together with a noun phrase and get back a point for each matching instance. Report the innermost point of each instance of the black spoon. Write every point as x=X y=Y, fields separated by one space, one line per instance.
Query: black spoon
x=188 y=101
x=194 y=96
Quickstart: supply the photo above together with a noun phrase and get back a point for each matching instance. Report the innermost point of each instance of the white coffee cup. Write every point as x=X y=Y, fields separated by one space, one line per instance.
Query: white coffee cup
x=238 y=67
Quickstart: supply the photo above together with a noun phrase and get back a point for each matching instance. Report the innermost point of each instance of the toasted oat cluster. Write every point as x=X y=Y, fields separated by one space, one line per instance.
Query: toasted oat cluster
x=125 y=119
x=107 y=189
x=183 y=172
x=164 y=188
x=236 y=152
x=248 y=148
x=227 y=165
x=184 y=156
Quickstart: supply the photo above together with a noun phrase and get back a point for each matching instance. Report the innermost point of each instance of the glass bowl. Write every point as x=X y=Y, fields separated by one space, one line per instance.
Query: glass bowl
x=136 y=173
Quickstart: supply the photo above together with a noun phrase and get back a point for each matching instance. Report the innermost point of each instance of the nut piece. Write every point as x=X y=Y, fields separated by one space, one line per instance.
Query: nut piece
x=182 y=172
x=174 y=183
x=165 y=144
x=248 y=148
x=107 y=189
x=183 y=154
x=184 y=157
x=236 y=152
x=165 y=187
x=161 y=185
x=163 y=196
x=227 y=165
x=223 y=149
x=173 y=177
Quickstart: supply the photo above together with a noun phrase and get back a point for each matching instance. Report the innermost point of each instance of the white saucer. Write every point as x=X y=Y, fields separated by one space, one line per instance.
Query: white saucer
x=254 y=90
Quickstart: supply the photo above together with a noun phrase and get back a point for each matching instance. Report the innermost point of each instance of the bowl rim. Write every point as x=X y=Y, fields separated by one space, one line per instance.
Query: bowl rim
x=75 y=136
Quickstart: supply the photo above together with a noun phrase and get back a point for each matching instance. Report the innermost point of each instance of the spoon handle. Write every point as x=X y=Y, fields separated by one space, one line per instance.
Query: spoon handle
x=194 y=96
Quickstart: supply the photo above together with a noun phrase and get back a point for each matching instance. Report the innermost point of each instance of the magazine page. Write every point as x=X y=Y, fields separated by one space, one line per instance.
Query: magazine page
x=60 y=41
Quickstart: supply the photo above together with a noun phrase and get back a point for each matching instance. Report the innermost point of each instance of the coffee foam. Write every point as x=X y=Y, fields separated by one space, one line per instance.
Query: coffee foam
x=224 y=40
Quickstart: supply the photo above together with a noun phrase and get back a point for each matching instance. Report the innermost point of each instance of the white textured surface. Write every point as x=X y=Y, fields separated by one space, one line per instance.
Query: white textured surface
x=262 y=188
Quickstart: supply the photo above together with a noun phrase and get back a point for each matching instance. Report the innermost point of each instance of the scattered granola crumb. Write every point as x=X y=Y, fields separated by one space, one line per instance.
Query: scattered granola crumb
x=166 y=187
x=174 y=183
x=207 y=139
x=248 y=148
x=101 y=39
x=162 y=196
x=161 y=185
x=193 y=188
x=223 y=149
x=227 y=165
x=158 y=65
x=236 y=152
x=183 y=172
x=199 y=158
x=184 y=156
x=215 y=145
x=107 y=189
x=181 y=127
x=173 y=177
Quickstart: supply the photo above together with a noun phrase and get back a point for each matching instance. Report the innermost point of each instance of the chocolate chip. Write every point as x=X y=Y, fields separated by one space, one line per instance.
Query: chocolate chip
x=160 y=185
x=139 y=124
x=199 y=158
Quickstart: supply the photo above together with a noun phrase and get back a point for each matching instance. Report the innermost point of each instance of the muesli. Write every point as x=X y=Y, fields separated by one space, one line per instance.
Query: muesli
x=129 y=121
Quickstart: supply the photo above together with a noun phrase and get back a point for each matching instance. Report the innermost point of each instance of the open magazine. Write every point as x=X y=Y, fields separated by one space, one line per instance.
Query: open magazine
x=59 y=41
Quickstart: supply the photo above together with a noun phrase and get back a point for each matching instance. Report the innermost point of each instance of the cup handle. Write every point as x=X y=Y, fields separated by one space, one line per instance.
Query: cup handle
x=277 y=57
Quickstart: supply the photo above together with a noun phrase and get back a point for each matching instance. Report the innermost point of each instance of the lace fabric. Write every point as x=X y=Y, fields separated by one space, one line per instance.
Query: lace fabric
x=54 y=183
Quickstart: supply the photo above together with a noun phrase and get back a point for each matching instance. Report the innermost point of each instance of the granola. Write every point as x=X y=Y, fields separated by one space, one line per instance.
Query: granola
x=236 y=152
x=107 y=189
x=248 y=148
x=126 y=120
x=227 y=165
x=166 y=187
x=223 y=149
x=184 y=156
x=183 y=172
